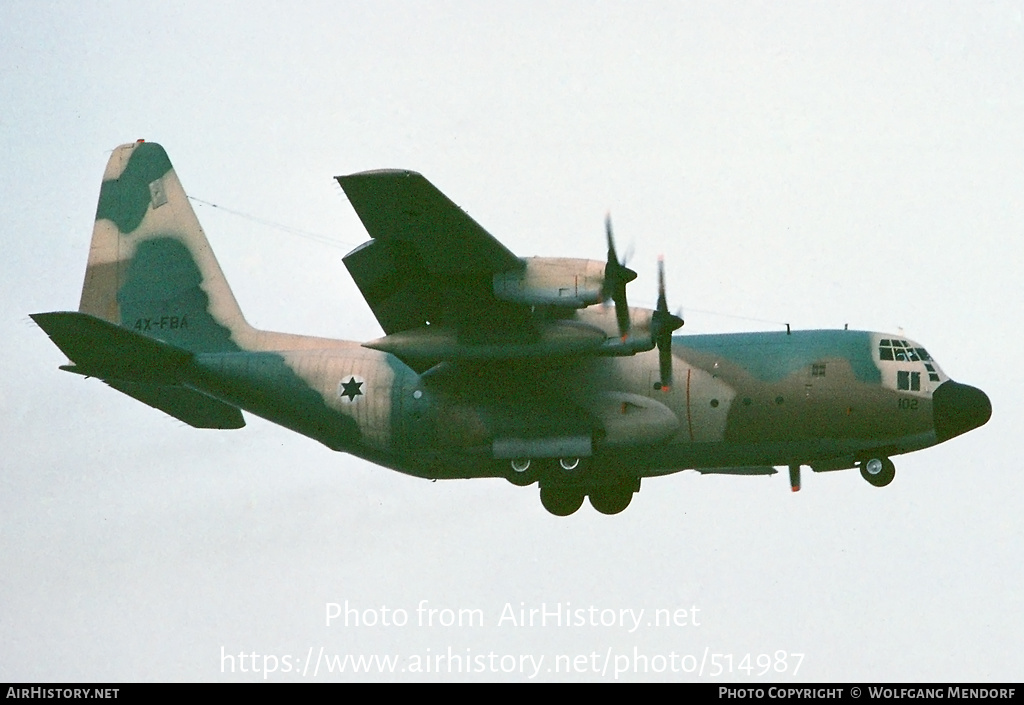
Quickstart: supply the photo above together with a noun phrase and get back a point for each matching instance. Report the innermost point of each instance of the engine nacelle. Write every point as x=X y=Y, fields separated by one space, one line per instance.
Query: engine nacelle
x=553 y=281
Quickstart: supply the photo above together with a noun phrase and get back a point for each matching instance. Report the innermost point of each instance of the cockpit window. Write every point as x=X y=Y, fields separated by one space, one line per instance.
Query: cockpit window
x=901 y=350
x=908 y=380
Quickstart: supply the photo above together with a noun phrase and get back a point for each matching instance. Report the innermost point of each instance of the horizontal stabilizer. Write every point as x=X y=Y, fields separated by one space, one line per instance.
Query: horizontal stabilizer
x=101 y=349
x=194 y=408
x=744 y=470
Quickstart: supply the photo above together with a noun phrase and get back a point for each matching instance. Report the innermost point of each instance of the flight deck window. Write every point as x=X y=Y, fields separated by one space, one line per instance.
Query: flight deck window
x=818 y=370
x=901 y=351
x=908 y=381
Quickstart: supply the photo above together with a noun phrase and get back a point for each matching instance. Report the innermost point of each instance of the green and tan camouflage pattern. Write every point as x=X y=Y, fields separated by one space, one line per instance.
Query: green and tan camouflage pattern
x=738 y=403
x=151 y=270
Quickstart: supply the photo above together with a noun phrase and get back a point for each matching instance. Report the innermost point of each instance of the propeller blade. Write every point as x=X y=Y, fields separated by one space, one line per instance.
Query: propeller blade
x=622 y=312
x=662 y=303
x=616 y=276
x=663 y=324
x=612 y=257
x=665 y=366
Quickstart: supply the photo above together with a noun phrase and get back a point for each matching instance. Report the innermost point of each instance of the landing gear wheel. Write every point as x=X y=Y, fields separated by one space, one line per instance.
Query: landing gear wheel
x=612 y=499
x=878 y=471
x=522 y=472
x=561 y=501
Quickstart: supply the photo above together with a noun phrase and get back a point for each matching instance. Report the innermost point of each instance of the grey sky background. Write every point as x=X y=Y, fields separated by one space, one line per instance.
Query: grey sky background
x=819 y=164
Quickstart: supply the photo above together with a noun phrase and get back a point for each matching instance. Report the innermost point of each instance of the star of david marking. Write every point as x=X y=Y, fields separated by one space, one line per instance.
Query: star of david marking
x=350 y=389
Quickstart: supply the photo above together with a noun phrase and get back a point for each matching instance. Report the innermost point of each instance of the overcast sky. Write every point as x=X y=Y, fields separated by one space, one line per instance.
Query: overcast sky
x=819 y=164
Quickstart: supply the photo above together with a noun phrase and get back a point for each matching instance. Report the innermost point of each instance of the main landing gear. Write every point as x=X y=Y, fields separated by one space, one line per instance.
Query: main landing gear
x=614 y=498
x=564 y=499
x=523 y=472
x=564 y=484
x=877 y=471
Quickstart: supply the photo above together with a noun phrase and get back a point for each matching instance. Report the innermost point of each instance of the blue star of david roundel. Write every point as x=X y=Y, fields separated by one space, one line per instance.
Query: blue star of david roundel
x=350 y=388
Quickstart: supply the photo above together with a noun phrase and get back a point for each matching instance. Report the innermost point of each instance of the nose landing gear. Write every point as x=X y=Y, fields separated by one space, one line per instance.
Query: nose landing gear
x=879 y=472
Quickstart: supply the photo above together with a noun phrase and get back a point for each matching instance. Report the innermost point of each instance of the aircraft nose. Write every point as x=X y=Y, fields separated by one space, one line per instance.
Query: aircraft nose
x=958 y=408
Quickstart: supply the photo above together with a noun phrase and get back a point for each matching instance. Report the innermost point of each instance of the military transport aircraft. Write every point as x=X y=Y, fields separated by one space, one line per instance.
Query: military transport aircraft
x=492 y=365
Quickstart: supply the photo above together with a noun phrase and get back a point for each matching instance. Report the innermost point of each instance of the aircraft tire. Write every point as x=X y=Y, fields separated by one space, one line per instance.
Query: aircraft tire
x=879 y=472
x=612 y=499
x=561 y=500
x=522 y=476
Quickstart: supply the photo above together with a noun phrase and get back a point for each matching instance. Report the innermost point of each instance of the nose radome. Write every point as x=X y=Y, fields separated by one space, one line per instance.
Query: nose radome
x=958 y=408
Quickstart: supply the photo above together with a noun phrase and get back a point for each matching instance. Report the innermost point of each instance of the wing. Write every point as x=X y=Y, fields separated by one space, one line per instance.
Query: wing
x=402 y=206
x=444 y=289
x=428 y=260
x=428 y=275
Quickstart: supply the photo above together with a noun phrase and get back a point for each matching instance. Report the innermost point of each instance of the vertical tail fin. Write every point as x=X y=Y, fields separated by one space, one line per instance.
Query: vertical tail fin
x=150 y=266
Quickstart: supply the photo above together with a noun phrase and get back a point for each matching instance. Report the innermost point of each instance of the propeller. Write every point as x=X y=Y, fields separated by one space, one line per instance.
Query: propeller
x=616 y=276
x=663 y=324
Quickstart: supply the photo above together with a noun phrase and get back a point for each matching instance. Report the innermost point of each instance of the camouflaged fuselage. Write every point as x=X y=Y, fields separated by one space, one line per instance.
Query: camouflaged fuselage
x=157 y=321
x=821 y=398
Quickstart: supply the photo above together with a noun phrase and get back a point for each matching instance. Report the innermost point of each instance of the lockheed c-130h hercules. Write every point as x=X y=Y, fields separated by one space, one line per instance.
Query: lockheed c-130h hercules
x=492 y=365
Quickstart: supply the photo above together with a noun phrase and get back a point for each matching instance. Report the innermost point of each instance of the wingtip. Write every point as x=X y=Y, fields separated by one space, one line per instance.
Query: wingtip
x=378 y=173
